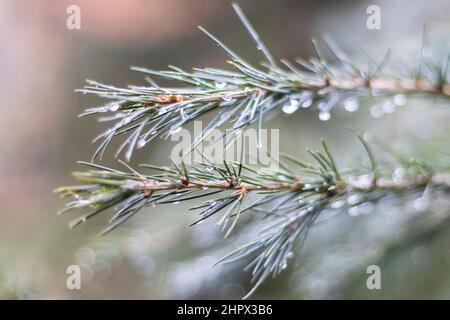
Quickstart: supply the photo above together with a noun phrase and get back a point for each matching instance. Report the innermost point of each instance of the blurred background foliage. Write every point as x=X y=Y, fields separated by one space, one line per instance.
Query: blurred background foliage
x=155 y=255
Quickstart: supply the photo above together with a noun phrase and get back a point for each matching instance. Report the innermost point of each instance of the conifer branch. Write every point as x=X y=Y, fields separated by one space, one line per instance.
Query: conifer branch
x=289 y=200
x=247 y=94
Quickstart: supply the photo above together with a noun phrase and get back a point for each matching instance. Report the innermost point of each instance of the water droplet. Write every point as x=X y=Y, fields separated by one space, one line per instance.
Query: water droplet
x=399 y=99
x=322 y=105
x=114 y=107
x=176 y=202
x=284 y=266
x=351 y=105
x=337 y=204
x=324 y=115
x=307 y=103
x=153 y=205
x=227 y=98
x=353 y=212
x=365 y=179
x=290 y=255
x=205 y=187
x=366 y=207
x=294 y=102
x=376 y=111
x=220 y=85
x=209 y=168
x=323 y=92
x=141 y=143
x=398 y=174
x=353 y=199
x=289 y=108
x=389 y=107
x=368 y=136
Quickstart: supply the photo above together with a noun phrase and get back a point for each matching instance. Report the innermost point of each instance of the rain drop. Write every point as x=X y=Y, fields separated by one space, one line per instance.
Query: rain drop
x=307 y=103
x=83 y=203
x=294 y=102
x=398 y=174
x=353 y=199
x=351 y=105
x=114 y=107
x=220 y=85
x=289 y=108
x=388 y=107
x=337 y=204
x=324 y=115
x=366 y=208
x=354 y=212
x=141 y=143
x=399 y=99
x=376 y=111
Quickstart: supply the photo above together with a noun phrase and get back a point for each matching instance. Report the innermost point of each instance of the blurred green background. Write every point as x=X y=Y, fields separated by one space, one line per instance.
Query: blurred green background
x=155 y=255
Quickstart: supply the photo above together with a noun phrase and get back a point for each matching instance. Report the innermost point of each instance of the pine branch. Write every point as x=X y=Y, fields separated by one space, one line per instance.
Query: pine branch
x=247 y=94
x=289 y=200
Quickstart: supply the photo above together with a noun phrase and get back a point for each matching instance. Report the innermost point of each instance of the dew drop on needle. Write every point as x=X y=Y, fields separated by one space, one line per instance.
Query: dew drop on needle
x=324 y=115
